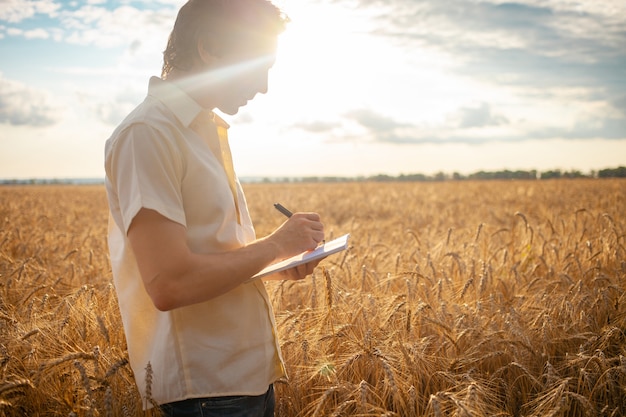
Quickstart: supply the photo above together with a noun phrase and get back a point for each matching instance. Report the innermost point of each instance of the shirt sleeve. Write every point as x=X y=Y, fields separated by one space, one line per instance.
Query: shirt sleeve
x=146 y=171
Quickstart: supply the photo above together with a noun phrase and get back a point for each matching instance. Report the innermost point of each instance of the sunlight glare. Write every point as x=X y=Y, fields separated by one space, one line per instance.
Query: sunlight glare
x=331 y=61
x=324 y=57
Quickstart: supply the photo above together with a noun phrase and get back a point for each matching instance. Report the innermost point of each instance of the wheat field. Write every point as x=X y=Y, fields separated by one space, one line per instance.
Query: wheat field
x=454 y=299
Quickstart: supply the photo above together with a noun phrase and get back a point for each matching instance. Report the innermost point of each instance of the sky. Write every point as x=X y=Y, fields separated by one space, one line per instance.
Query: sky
x=359 y=88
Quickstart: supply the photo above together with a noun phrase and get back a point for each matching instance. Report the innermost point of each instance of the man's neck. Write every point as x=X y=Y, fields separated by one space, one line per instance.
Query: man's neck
x=194 y=88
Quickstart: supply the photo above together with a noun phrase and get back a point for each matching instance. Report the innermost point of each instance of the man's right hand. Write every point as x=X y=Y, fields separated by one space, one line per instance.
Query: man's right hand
x=300 y=233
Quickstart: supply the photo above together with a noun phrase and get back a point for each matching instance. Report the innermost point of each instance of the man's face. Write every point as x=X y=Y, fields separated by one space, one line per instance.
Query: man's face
x=244 y=76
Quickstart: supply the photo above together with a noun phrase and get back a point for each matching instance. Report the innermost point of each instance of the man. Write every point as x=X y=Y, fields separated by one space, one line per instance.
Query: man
x=200 y=338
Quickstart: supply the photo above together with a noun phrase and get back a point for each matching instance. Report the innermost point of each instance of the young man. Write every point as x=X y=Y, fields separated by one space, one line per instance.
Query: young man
x=200 y=338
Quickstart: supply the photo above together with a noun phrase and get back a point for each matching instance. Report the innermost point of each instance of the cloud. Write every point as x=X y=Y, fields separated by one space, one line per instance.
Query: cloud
x=523 y=42
x=619 y=103
x=112 y=113
x=375 y=121
x=123 y=25
x=479 y=124
x=36 y=34
x=534 y=54
x=14 y=11
x=381 y=128
x=23 y=105
x=587 y=128
x=94 y=23
x=479 y=115
x=113 y=109
x=472 y=124
x=317 y=126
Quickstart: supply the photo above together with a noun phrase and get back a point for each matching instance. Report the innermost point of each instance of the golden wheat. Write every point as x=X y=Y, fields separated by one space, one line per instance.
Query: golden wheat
x=456 y=298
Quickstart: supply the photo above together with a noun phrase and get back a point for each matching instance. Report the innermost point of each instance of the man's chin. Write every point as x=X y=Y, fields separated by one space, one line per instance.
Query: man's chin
x=231 y=110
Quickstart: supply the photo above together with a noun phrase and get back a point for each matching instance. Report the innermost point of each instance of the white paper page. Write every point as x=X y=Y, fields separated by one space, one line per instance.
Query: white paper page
x=322 y=251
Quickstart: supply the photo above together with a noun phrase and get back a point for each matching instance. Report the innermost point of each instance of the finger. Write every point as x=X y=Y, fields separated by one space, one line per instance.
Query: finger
x=318 y=237
x=317 y=226
x=298 y=273
x=309 y=267
x=302 y=271
x=309 y=217
x=291 y=274
x=312 y=216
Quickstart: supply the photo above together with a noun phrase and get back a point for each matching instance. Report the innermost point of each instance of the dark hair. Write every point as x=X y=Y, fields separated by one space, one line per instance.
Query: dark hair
x=224 y=26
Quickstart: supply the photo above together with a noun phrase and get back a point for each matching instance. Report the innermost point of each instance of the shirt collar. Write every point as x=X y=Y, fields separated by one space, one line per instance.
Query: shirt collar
x=176 y=100
x=219 y=121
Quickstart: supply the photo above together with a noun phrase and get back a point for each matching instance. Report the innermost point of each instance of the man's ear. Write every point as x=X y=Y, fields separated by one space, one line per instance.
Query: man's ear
x=204 y=54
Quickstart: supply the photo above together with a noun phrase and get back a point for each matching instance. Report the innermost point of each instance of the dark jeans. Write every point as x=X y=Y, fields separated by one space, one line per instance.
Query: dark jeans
x=235 y=406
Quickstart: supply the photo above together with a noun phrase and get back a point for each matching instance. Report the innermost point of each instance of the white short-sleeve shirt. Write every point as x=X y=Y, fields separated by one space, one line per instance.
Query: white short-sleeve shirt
x=225 y=346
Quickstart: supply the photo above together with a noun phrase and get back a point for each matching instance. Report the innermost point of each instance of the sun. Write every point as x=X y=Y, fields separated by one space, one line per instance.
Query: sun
x=323 y=57
x=333 y=59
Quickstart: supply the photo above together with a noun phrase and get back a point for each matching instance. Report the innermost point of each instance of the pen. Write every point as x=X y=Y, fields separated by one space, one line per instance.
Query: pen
x=282 y=209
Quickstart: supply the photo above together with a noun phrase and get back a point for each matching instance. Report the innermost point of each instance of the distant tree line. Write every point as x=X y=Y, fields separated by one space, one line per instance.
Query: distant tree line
x=506 y=174
x=619 y=172
x=52 y=181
